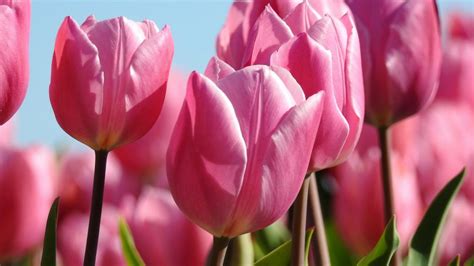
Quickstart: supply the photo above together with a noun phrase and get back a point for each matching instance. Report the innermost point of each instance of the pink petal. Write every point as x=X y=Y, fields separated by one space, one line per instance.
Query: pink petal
x=207 y=156
x=268 y=33
x=217 y=69
x=276 y=182
x=302 y=17
x=291 y=84
x=76 y=66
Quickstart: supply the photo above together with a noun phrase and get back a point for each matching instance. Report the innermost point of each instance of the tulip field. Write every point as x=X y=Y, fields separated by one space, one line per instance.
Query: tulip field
x=319 y=132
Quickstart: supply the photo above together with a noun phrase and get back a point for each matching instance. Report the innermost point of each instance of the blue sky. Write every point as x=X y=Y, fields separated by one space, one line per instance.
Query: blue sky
x=194 y=26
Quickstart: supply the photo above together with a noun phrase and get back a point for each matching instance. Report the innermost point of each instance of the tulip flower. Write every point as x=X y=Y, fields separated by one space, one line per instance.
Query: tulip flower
x=27 y=188
x=461 y=26
x=146 y=157
x=108 y=83
x=162 y=233
x=229 y=166
x=76 y=171
x=400 y=72
x=108 y=79
x=14 y=61
x=72 y=238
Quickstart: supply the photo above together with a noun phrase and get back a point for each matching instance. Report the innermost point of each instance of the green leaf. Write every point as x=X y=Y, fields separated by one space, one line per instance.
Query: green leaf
x=242 y=252
x=269 y=238
x=455 y=262
x=385 y=248
x=423 y=244
x=48 y=258
x=282 y=254
x=309 y=235
x=469 y=262
x=128 y=245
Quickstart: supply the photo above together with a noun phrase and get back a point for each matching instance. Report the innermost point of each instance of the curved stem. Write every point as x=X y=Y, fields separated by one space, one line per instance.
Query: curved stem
x=389 y=206
x=217 y=255
x=320 y=244
x=96 y=208
x=299 y=225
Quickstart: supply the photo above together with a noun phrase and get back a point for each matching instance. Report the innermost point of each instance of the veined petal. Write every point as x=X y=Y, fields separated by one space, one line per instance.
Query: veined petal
x=217 y=69
x=207 y=156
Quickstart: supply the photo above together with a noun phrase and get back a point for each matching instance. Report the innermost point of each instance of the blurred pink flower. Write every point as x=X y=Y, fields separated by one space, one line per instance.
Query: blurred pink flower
x=162 y=234
x=72 y=233
x=228 y=164
x=108 y=79
x=27 y=190
x=7 y=133
x=14 y=64
x=146 y=157
x=401 y=71
x=76 y=172
x=461 y=26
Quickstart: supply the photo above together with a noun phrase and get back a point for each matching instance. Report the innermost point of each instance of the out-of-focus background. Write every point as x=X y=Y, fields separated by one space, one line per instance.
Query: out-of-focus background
x=194 y=24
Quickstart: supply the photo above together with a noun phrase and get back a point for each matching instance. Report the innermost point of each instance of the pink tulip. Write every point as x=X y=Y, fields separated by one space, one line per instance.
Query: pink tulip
x=27 y=190
x=108 y=79
x=163 y=234
x=400 y=70
x=358 y=203
x=321 y=52
x=14 y=62
x=228 y=164
x=146 y=157
x=7 y=133
x=72 y=233
x=461 y=26
x=76 y=173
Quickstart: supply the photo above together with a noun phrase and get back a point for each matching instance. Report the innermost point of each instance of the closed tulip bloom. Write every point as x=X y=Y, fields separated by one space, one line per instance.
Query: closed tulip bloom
x=108 y=79
x=401 y=54
x=146 y=157
x=14 y=62
x=27 y=189
x=240 y=149
x=162 y=233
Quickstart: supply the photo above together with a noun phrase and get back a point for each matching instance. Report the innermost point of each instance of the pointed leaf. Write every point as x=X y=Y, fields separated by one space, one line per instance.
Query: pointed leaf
x=128 y=245
x=385 y=248
x=455 y=262
x=423 y=244
x=282 y=254
x=48 y=258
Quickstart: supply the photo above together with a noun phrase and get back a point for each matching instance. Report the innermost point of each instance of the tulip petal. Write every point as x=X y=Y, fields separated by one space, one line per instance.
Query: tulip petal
x=302 y=17
x=406 y=57
x=291 y=84
x=207 y=156
x=217 y=69
x=277 y=179
x=268 y=33
x=76 y=66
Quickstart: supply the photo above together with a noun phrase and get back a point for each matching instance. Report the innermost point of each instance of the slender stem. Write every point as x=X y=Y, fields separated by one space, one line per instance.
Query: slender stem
x=298 y=230
x=96 y=208
x=320 y=244
x=389 y=207
x=217 y=255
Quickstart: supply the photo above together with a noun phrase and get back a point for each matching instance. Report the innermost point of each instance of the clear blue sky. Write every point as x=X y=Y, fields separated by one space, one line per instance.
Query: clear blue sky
x=194 y=26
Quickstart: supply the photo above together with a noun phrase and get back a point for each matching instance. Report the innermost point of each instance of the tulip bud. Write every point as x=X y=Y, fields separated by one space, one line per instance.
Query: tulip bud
x=401 y=55
x=14 y=61
x=228 y=164
x=108 y=79
x=27 y=190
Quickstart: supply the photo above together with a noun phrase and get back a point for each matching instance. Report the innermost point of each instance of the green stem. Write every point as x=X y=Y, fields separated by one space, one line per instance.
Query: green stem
x=217 y=255
x=387 y=181
x=96 y=207
x=298 y=230
x=320 y=244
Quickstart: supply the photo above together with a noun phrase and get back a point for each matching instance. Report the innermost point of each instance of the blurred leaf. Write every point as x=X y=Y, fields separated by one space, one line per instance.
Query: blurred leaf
x=455 y=262
x=423 y=244
x=338 y=252
x=270 y=238
x=282 y=254
x=309 y=235
x=128 y=245
x=48 y=258
x=469 y=262
x=241 y=252
x=385 y=248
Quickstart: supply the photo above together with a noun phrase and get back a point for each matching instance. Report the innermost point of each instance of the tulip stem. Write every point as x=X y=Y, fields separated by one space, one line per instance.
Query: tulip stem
x=389 y=207
x=298 y=230
x=320 y=244
x=96 y=207
x=217 y=255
